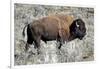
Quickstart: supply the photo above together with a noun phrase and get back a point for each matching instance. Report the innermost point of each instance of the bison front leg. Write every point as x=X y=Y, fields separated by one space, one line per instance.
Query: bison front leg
x=60 y=43
x=61 y=37
x=29 y=42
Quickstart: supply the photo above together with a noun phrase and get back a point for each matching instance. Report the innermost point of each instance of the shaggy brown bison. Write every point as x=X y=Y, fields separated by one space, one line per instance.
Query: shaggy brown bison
x=55 y=27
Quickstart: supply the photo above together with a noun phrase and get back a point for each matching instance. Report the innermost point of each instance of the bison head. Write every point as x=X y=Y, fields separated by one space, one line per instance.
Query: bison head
x=78 y=29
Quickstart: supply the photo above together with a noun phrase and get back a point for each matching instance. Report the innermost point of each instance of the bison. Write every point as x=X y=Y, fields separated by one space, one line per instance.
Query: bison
x=62 y=28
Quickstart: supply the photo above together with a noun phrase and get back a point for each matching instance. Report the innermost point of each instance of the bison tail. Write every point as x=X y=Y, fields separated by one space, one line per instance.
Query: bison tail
x=23 y=33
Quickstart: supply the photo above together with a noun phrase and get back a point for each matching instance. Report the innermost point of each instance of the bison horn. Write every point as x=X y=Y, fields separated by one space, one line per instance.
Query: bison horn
x=77 y=24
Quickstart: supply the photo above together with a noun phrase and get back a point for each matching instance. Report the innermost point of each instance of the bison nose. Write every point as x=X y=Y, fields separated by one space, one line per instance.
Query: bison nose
x=82 y=36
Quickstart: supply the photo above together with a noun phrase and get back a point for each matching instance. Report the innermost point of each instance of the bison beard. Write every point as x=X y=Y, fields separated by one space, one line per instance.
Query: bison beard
x=58 y=27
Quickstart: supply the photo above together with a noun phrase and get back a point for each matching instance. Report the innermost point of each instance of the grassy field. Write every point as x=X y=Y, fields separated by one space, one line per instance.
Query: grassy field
x=74 y=51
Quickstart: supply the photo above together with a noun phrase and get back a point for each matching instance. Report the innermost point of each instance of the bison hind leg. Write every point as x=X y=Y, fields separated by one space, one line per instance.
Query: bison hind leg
x=29 y=42
x=37 y=44
x=26 y=47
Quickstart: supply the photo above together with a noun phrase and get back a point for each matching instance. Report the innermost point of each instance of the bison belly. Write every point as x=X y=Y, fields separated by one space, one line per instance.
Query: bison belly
x=50 y=33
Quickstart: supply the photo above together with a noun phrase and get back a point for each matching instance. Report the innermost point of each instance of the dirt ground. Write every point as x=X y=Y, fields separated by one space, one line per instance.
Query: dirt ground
x=74 y=51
